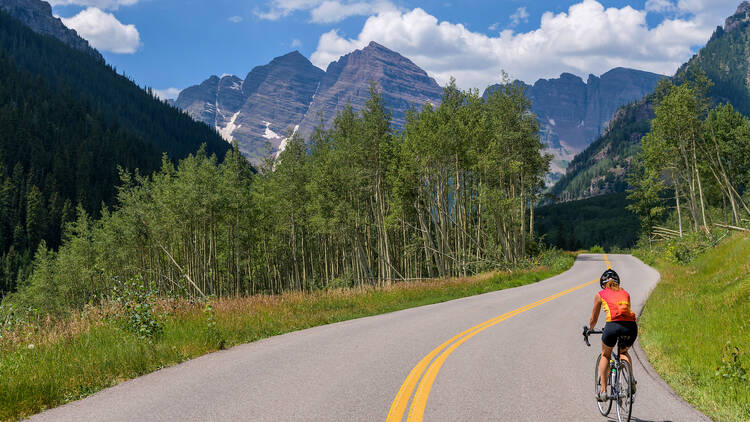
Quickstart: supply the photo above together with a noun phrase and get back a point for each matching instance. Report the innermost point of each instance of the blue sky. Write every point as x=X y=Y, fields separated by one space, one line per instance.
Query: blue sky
x=171 y=44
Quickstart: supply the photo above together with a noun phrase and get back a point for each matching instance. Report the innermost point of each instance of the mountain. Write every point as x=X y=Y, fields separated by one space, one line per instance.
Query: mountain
x=271 y=100
x=37 y=15
x=68 y=122
x=403 y=85
x=290 y=94
x=602 y=167
x=573 y=113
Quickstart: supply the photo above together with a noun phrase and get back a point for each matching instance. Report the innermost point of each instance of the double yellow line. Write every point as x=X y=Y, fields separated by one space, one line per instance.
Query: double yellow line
x=432 y=365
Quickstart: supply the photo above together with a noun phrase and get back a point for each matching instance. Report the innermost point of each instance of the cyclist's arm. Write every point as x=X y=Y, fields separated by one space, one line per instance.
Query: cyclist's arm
x=595 y=312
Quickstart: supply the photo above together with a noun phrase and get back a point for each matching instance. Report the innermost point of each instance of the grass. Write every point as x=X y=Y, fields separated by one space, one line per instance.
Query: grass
x=52 y=362
x=694 y=319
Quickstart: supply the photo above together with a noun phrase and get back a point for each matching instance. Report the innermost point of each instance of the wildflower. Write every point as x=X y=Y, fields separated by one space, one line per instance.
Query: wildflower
x=31 y=346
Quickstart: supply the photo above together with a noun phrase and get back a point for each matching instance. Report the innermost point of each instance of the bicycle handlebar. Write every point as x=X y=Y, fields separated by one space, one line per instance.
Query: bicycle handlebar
x=587 y=333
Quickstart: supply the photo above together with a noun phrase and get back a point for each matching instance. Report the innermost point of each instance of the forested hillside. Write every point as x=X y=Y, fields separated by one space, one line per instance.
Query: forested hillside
x=67 y=121
x=599 y=221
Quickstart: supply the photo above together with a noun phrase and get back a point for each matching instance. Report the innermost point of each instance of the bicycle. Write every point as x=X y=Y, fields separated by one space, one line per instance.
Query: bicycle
x=620 y=382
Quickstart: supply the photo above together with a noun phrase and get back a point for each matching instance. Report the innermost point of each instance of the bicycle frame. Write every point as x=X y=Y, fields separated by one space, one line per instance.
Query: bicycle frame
x=614 y=369
x=614 y=363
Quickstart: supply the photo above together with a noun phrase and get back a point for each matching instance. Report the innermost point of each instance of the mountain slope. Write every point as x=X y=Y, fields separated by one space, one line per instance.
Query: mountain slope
x=290 y=94
x=572 y=114
x=67 y=121
x=347 y=81
x=119 y=99
x=602 y=167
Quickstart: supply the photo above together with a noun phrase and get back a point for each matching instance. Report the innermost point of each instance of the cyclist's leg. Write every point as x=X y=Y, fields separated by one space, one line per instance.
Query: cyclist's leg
x=604 y=365
x=626 y=357
x=609 y=339
x=625 y=341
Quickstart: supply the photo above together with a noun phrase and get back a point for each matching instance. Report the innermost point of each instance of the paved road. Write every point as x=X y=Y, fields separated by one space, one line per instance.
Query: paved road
x=531 y=366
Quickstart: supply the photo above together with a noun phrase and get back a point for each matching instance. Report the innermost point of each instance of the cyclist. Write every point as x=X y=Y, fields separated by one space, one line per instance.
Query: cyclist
x=620 y=326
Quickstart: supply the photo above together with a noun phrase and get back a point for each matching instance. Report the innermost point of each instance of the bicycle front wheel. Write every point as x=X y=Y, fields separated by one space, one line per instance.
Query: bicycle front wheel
x=624 y=398
x=604 y=406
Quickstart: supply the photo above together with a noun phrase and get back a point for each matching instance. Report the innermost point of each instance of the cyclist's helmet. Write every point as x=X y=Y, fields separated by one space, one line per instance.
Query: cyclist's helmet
x=610 y=273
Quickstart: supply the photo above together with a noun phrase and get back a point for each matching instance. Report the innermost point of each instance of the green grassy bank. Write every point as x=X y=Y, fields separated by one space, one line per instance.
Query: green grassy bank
x=51 y=362
x=695 y=327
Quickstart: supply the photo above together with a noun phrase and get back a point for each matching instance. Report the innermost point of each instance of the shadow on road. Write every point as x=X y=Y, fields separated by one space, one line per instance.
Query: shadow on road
x=590 y=258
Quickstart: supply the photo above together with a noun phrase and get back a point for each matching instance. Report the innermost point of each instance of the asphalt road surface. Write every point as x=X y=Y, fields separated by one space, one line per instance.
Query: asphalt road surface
x=526 y=363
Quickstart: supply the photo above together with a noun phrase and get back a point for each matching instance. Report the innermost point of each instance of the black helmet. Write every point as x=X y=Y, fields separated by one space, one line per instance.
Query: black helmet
x=610 y=273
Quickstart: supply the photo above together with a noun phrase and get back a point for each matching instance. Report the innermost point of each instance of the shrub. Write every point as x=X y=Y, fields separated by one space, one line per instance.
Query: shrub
x=137 y=299
x=731 y=368
x=596 y=249
x=213 y=336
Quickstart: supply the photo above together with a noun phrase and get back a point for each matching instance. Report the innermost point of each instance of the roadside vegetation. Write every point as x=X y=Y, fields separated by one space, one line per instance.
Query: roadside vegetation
x=49 y=361
x=695 y=327
x=691 y=189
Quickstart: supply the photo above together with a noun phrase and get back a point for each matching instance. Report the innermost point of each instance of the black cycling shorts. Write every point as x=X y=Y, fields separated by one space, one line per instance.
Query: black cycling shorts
x=624 y=331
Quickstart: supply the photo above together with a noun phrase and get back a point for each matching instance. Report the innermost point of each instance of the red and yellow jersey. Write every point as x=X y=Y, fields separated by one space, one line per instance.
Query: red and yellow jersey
x=617 y=305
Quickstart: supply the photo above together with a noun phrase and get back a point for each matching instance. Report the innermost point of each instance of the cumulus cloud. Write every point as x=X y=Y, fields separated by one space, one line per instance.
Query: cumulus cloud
x=520 y=15
x=104 y=31
x=165 y=94
x=587 y=38
x=100 y=4
x=235 y=19
x=325 y=11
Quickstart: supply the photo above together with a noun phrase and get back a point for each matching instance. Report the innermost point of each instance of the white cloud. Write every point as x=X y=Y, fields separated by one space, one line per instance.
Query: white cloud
x=325 y=11
x=235 y=19
x=296 y=43
x=520 y=15
x=660 y=6
x=587 y=38
x=104 y=31
x=494 y=27
x=169 y=93
x=100 y=4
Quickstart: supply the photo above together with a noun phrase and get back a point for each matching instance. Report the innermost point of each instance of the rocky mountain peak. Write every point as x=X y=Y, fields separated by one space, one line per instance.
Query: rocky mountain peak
x=347 y=80
x=740 y=17
x=293 y=58
x=37 y=15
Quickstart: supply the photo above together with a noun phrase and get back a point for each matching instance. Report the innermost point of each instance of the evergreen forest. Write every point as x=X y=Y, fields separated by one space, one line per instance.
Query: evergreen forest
x=602 y=221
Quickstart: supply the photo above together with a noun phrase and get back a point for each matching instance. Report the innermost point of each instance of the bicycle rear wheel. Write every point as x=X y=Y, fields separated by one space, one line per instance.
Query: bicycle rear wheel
x=604 y=406
x=625 y=393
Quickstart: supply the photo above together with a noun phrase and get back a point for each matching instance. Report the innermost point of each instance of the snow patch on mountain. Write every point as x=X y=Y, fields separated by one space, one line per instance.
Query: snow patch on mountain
x=269 y=134
x=226 y=132
x=282 y=146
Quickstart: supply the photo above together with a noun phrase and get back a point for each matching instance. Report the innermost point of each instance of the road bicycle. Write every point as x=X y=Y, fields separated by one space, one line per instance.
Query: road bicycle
x=620 y=383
